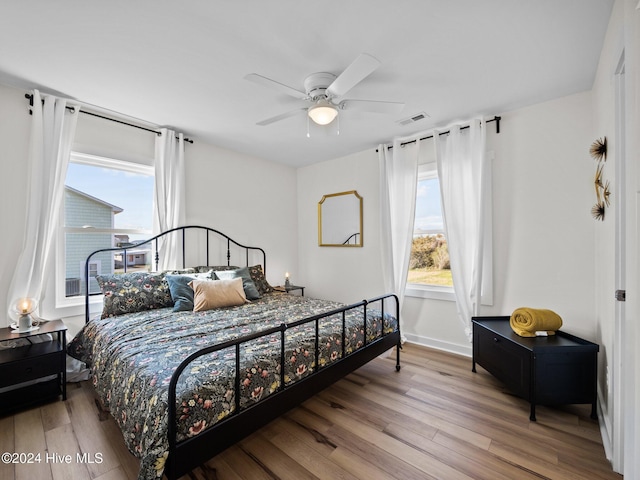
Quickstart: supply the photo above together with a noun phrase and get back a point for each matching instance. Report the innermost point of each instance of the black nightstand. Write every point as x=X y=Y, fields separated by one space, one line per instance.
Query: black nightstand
x=290 y=288
x=32 y=362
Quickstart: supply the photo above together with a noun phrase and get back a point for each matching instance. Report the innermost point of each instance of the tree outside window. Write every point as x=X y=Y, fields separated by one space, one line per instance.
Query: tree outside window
x=429 y=261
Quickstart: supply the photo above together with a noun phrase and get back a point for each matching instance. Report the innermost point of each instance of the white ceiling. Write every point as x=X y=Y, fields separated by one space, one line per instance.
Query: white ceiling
x=181 y=64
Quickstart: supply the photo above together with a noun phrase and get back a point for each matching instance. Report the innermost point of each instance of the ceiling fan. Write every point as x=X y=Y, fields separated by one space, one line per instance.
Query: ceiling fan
x=324 y=91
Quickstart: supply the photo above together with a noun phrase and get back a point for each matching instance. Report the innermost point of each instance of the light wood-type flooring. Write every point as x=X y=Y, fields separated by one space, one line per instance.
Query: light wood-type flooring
x=434 y=419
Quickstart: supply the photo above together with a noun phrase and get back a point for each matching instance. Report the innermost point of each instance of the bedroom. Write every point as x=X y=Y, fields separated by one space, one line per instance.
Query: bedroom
x=542 y=147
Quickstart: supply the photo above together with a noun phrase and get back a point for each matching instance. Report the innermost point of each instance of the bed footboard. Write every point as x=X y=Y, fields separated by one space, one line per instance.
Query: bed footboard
x=185 y=455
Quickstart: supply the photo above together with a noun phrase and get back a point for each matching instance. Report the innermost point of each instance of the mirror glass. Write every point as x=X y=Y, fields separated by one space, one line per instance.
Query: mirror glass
x=340 y=220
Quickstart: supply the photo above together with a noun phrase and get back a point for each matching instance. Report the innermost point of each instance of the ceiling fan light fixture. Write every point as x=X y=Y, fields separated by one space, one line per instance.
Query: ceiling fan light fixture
x=323 y=112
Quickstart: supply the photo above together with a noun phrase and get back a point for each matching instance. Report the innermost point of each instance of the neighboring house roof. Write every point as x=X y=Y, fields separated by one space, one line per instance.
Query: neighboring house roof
x=114 y=208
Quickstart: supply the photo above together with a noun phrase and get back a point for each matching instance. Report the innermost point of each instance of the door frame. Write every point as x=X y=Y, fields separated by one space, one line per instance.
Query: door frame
x=619 y=373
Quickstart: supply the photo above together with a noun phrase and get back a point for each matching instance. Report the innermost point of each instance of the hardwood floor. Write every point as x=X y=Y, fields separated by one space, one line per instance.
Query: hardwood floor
x=434 y=419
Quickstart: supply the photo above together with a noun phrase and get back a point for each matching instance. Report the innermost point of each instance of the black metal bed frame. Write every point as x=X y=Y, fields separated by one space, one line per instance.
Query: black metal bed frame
x=187 y=454
x=154 y=240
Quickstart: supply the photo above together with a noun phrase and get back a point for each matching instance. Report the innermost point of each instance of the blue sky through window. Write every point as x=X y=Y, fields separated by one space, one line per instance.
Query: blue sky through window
x=130 y=191
x=428 y=205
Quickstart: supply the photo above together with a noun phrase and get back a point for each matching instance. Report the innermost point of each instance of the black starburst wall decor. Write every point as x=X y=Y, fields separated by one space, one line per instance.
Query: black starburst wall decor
x=598 y=151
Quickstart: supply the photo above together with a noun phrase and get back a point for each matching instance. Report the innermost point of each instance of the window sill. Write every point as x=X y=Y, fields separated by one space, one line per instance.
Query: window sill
x=430 y=292
x=75 y=306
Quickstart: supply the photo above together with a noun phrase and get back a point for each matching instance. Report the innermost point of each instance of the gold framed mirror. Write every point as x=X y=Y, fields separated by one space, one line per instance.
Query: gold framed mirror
x=340 y=220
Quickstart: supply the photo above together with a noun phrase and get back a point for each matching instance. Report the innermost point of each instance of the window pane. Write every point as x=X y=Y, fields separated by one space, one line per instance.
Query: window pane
x=428 y=207
x=429 y=263
x=77 y=247
x=105 y=198
x=130 y=193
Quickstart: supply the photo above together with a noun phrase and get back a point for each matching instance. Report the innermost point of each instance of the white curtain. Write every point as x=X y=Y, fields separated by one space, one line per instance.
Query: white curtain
x=463 y=172
x=398 y=184
x=169 y=204
x=52 y=132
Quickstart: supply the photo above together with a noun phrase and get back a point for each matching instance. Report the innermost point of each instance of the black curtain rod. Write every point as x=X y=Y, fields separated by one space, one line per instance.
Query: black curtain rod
x=494 y=119
x=30 y=97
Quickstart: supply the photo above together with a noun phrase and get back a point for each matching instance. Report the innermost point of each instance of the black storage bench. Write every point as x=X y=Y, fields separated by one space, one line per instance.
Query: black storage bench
x=554 y=370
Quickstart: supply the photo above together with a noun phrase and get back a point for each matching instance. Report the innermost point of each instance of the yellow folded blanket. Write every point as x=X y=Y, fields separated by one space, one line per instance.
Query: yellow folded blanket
x=527 y=321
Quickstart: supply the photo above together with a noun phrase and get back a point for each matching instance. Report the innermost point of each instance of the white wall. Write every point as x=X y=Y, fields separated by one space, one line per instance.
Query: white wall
x=346 y=274
x=251 y=200
x=543 y=230
x=631 y=339
x=14 y=142
x=619 y=361
x=604 y=124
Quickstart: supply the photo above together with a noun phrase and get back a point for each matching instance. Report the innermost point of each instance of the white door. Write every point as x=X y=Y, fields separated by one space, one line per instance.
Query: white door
x=620 y=272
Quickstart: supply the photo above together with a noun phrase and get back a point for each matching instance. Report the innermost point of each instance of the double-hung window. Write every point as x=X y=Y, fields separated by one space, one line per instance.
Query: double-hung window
x=107 y=203
x=429 y=273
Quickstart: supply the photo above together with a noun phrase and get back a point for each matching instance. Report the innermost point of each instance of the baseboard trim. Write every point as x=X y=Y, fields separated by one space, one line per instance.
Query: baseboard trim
x=606 y=432
x=464 y=350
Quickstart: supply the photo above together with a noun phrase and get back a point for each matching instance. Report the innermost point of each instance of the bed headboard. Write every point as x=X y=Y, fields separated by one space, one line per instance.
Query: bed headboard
x=196 y=244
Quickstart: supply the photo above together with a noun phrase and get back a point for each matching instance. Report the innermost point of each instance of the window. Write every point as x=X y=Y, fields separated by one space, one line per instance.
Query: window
x=107 y=203
x=429 y=271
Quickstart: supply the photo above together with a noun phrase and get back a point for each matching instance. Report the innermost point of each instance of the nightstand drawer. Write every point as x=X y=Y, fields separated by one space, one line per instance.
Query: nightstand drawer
x=28 y=365
x=30 y=369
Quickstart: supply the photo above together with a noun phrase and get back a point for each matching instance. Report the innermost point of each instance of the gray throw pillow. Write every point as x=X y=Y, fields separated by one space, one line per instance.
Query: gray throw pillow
x=249 y=287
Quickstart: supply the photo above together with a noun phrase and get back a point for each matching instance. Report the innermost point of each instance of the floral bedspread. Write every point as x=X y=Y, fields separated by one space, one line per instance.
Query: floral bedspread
x=133 y=356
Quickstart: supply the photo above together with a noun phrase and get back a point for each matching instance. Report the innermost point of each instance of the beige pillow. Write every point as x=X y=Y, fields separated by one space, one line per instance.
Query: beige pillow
x=210 y=294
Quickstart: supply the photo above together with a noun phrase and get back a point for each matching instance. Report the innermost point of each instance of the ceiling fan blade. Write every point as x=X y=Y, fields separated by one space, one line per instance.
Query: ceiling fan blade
x=359 y=69
x=282 y=116
x=267 y=82
x=372 y=106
